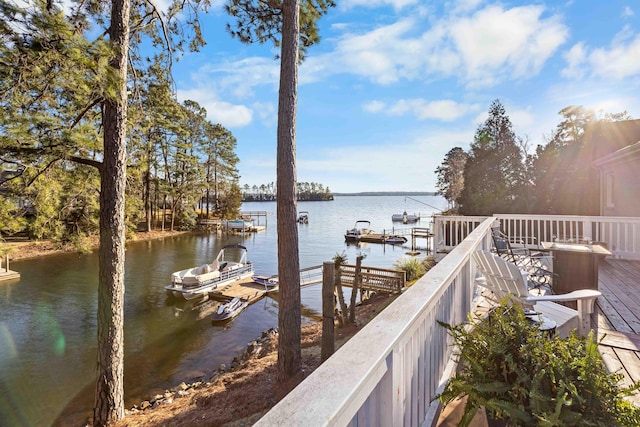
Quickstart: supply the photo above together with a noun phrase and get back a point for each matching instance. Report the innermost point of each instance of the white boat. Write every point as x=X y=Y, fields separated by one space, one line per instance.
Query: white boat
x=303 y=217
x=361 y=228
x=198 y=281
x=396 y=240
x=230 y=309
x=266 y=281
x=239 y=224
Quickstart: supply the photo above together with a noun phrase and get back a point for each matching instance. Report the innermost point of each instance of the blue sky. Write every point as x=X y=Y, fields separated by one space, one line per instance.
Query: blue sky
x=395 y=84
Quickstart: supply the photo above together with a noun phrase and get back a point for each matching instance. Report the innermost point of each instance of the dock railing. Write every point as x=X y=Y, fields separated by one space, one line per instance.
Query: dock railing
x=621 y=235
x=375 y=279
x=389 y=372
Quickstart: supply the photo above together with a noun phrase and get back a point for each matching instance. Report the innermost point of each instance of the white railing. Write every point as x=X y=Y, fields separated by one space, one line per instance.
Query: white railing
x=621 y=235
x=389 y=372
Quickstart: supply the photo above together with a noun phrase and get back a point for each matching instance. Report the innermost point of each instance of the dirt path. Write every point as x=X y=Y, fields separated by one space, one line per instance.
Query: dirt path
x=25 y=249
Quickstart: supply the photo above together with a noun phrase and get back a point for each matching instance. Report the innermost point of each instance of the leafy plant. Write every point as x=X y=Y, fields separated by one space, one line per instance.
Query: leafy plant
x=414 y=268
x=521 y=374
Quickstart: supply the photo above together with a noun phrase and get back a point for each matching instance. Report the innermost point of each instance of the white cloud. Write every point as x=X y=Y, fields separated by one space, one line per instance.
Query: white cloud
x=396 y=4
x=267 y=112
x=225 y=113
x=495 y=43
x=445 y=110
x=373 y=106
x=618 y=61
x=239 y=78
x=381 y=55
x=480 y=47
x=575 y=58
x=627 y=12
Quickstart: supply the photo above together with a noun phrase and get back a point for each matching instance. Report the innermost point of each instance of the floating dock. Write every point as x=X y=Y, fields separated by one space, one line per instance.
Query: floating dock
x=377 y=238
x=5 y=273
x=408 y=233
x=246 y=289
x=8 y=275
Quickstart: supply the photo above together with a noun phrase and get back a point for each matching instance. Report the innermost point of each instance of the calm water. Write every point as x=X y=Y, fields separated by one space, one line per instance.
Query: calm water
x=48 y=318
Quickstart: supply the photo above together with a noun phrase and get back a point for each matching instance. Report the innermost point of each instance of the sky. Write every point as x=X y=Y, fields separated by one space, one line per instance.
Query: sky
x=394 y=85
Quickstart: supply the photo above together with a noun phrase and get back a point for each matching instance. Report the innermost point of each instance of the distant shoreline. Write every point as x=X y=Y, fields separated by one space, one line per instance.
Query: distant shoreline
x=389 y=193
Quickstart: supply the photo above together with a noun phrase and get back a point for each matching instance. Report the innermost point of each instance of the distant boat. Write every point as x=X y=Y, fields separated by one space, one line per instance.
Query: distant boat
x=229 y=309
x=405 y=218
x=198 y=281
x=361 y=228
x=303 y=217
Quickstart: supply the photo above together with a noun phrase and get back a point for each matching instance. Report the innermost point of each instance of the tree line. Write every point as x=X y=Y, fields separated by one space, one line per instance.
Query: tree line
x=305 y=191
x=177 y=161
x=499 y=175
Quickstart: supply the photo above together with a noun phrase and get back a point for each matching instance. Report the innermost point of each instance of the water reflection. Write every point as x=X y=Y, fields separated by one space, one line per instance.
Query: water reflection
x=48 y=317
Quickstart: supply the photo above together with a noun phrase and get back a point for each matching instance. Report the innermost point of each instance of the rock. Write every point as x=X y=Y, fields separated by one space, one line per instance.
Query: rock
x=145 y=405
x=251 y=347
x=181 y=386
x=222 y=368
x=183 y=393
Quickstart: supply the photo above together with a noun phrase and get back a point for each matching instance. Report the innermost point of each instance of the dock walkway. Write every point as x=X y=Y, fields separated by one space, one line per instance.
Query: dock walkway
x=373 y=280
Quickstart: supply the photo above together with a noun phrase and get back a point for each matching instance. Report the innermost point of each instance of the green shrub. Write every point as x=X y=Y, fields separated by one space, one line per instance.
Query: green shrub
x=518 y=373
x=414 y=268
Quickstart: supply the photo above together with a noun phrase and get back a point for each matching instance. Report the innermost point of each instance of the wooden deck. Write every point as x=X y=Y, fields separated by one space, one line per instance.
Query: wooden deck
x=617 y=318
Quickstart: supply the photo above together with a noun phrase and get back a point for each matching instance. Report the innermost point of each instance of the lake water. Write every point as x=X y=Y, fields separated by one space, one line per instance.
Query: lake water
x=48 y=335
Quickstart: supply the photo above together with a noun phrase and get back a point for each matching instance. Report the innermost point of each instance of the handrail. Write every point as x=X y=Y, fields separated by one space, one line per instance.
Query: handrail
x=621 y=235
x=389 y=372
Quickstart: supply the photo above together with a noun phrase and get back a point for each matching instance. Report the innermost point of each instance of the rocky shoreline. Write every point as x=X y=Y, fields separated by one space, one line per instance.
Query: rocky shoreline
x=256 y=348
x=242 y=393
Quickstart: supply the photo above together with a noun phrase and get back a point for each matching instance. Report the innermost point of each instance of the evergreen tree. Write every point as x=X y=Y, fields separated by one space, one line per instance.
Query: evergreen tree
x=494 y=170
x=451 y=175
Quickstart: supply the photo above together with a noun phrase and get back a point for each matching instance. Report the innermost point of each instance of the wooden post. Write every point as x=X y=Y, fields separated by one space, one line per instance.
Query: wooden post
x=354 y=290
x=328 y=336
x=6 y=264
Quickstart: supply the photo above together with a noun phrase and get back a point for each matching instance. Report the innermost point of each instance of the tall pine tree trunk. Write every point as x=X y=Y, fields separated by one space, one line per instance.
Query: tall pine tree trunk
x=147 y=186
x=109 y=399
x=289 y=312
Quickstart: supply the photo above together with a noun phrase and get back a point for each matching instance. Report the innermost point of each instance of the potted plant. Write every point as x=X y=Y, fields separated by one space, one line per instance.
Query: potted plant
x=524 y=377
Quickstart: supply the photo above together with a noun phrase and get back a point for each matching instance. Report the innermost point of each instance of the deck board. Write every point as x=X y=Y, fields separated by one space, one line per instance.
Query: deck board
x=617 y=318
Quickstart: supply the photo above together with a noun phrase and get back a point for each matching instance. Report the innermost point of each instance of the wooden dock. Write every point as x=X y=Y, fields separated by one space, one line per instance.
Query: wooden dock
x=412 y=234
x=255 y=214
x=5 y=273
x=8 y=275
x=221 y=225
x=373 y=280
